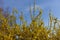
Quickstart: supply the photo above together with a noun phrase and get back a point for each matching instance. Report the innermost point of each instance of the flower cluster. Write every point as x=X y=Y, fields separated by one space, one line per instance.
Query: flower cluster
x=10 y=30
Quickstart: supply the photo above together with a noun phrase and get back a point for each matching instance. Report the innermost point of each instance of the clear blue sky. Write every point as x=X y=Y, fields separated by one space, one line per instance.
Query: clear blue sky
x=23 y=5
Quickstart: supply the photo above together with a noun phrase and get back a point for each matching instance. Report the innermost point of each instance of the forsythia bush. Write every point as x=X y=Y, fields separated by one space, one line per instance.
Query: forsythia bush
x=10 y=30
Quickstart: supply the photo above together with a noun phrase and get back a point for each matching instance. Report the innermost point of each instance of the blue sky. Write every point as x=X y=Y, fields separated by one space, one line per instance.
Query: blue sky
x=46 y=5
